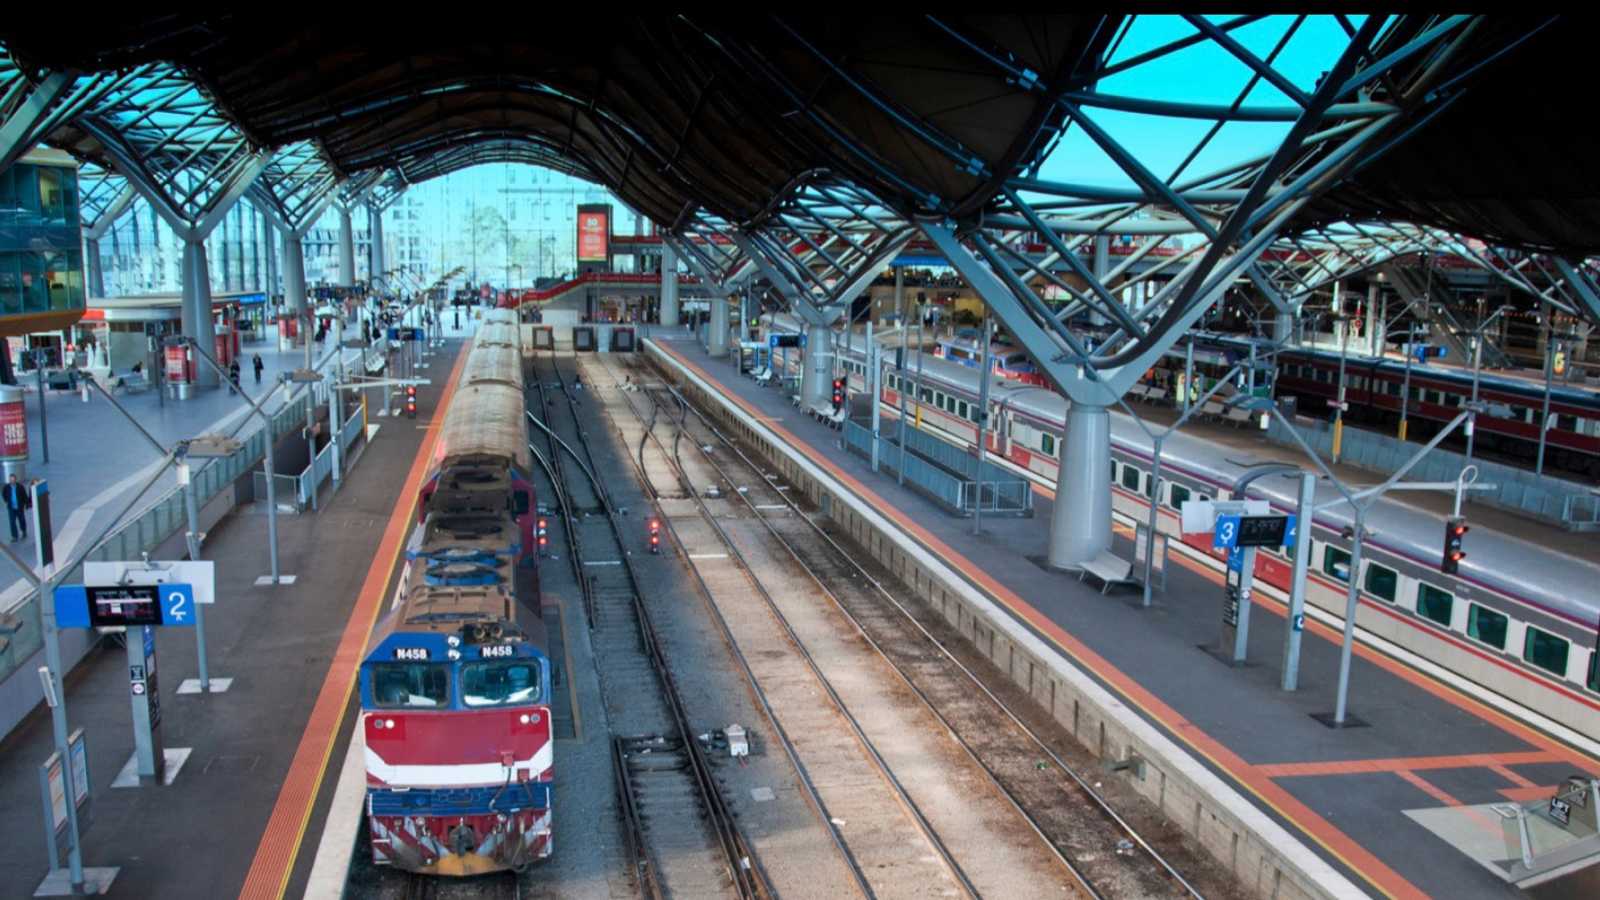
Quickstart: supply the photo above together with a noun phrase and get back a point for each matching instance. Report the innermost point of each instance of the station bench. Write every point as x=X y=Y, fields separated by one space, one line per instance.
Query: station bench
x=1110 y=568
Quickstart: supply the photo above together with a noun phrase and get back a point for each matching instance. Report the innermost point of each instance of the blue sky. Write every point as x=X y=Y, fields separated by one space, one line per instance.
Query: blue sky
x=1203 y=73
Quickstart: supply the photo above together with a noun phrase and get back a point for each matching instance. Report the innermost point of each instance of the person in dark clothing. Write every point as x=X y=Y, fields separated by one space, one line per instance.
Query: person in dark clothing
x=258 y=365
x=17 y=504
x=233 y=376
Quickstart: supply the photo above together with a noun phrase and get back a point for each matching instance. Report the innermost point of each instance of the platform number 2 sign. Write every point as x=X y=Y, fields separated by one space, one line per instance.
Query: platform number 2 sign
x=177 y=604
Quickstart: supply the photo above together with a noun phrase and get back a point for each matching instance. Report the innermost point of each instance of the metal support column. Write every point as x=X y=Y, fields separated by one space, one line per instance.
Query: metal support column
x=294 y=279
x=347 y=248
x=376 y=265
x=91 y=265
x=816 y=372
x=196 y=310
x=1297 y=585
x=1080 y=524
x=669 y=286
x=717 y=337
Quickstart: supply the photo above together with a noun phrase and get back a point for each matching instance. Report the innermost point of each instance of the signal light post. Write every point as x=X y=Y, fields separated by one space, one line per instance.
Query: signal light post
x=1455 y=528
x=541 y=537
x=655 y=536
x=411 y=401
x=838 y=394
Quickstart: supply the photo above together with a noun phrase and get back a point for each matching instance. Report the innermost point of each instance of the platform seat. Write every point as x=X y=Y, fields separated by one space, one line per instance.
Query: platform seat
x=1212 y=409
x=836 y=419
x=1237 y=415
x=1110 y=569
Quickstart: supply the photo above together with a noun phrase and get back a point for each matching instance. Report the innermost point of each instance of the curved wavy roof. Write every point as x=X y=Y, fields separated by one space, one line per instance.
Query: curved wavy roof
x=670 y=112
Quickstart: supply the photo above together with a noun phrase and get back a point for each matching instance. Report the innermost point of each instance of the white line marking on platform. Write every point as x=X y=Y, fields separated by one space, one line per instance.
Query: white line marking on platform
x=96 y=881
x=266 y=580
x=332 y=863
x=175 y=757
x=218 y=686
x=708 y=556
x=603 y=562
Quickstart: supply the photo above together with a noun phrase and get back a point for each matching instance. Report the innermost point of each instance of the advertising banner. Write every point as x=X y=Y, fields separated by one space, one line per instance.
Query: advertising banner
x=13 y=426
x=177 y=364
x=594 y=233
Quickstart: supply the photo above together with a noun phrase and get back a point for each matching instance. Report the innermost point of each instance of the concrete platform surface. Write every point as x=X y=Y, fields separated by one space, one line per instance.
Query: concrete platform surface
x=199 y=837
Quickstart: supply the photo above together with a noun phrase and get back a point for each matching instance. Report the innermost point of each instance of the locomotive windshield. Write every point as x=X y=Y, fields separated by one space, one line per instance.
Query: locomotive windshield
x=396 y=685
x=503 y=683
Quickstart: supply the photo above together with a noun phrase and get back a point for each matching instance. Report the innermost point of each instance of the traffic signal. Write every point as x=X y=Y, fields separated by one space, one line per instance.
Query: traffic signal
x=655 y=535
x=838 y=394
x=543 y=539
x=411 y=401
x=1455 y=528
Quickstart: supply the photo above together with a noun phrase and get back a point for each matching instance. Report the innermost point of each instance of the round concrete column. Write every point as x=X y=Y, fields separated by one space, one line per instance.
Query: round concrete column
x=1080 y=525
x=377 y=265
x=347 y=248
x=717 y=337
x=816 y=376
x=197 y=309
x=669 y=287
x=294 y=279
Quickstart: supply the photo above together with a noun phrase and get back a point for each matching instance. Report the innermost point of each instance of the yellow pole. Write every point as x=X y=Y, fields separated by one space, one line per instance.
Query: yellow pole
x=1338 y=437
x=1402 y=429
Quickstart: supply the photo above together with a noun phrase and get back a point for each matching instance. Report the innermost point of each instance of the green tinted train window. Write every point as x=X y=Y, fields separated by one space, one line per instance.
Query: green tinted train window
x=1545 y=650
x=1594 y=671
x=1180 y=496
x=1336 y=562
x=1130 y=478
x=1047 y=444
x=1434 y=604
x=1486 y=625
x=1381 y=581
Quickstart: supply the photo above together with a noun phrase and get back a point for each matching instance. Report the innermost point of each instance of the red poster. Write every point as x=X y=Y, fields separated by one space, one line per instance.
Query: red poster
x=13 y=430
x=593 y=233
x=177 y=364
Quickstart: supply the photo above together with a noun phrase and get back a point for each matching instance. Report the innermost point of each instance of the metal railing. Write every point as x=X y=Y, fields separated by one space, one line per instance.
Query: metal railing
x=999 y=492
x=162 y=518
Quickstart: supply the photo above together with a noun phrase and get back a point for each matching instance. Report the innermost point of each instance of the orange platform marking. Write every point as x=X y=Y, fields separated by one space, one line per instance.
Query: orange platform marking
x=1528 y=794
x=1358 y=858
x=1427 y=787
x=1409 y=763
x=1511 y=776
x=269 y=873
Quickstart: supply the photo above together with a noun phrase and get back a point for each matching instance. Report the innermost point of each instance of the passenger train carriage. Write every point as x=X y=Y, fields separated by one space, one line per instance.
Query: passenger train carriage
x=455 y=685
x=1534 y=639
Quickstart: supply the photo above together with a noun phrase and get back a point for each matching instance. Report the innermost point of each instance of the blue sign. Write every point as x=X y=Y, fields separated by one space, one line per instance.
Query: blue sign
x=177 y=604
x=78 y=606
x=1236 y=560
x=1229 y=529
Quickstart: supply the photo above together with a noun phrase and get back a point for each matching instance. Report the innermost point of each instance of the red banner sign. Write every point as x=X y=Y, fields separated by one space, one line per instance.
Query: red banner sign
x=594 y=231
x=13 y=430
x=177 y=364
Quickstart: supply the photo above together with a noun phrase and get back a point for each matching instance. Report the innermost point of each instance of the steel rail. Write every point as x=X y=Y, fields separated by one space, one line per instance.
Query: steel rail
x=1039 y=744
x=744 y=869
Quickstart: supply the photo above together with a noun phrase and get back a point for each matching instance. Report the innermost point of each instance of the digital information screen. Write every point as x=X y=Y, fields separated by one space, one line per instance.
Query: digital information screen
x=1262 y=531
x=134 y=604
x=594 y=233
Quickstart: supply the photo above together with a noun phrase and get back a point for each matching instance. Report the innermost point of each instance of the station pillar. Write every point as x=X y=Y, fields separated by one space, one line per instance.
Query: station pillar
x=1283 y=328
x=347 y=248
x=91 y=266
x=669 y=286
x=294 y=280
x=1080 y=525
x=717 y=337
x=197 y=307
x=816 y=376
x=376 y=265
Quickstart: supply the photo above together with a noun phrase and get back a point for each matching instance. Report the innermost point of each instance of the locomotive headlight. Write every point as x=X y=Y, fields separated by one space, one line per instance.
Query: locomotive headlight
x=388 y=723
x=524 y=718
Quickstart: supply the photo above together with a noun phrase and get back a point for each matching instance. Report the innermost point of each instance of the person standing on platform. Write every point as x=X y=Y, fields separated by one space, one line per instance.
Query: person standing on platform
x=17 y=504
x=233 y=376
x=258 y=365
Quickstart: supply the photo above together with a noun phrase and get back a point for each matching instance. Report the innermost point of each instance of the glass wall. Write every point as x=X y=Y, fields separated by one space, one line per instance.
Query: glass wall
x=41 y=253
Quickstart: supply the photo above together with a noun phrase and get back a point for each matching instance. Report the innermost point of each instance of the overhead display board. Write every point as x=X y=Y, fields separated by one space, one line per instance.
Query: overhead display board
x=594 y=233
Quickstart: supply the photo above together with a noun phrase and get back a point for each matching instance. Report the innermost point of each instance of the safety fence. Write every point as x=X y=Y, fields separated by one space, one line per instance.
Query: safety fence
x=21 y=628
x=1565 y=503
x=945 y=474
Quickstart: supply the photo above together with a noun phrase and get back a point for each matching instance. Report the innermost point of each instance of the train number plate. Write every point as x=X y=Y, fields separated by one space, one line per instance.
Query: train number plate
x=494 y=651
x=411 y=654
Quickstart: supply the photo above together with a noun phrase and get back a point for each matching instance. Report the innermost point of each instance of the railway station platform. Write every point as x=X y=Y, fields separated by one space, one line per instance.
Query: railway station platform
x=231 y=821
x=1378 y=809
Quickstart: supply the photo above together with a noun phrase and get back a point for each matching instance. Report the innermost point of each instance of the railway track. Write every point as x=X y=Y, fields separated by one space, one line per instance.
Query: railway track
x=1103 y=853
x=681 y=838
x=484 y=887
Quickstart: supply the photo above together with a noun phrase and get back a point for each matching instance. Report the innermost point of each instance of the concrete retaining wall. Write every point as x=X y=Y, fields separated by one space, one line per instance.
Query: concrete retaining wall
x=1267 y=859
